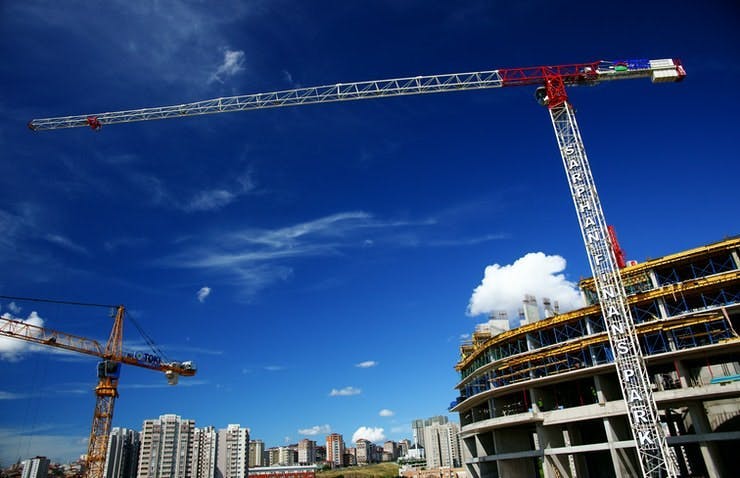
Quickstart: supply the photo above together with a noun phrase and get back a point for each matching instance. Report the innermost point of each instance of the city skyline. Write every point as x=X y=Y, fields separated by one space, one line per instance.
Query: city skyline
x=322 y=264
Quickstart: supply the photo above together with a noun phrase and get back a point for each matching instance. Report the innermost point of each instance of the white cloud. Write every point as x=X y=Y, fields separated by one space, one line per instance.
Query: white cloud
x=344 y=392
x=386 y=413
x=14 y=308
x=210 y=200
x=12 y=349
x=203 y=293
x=315 y=430
x=66 y=244
x=375 y=435
x=232 y=64
x=13 y=396
x=503 y=287
x=367 y=364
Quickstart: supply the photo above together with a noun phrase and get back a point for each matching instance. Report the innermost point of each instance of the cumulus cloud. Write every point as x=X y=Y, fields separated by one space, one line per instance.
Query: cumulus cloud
x=367 y=364
x=386 y=413
x=344 y=392
x=315 y=430
x=203 y=293
x=14 y=308
x=232 y=64
x=375 y=435
x=12 y=349
x=503 y=287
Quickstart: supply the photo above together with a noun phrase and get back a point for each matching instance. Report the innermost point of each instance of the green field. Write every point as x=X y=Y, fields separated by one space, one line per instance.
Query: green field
x=381 y=470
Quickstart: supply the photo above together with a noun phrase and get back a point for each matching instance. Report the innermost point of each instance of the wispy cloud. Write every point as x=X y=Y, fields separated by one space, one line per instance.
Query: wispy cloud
x=186 y=382
x=345 y=392
x=14 y=396
x=253 y=258
x=66 y=243
x=367 y=364
x=203 y=293
x=315 y=430
x=386 y=413
x=203 y=200
x=233 y=63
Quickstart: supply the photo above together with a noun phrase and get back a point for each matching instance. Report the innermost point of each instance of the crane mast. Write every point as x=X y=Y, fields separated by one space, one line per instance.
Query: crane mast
x=655 y=456
x=653 y=452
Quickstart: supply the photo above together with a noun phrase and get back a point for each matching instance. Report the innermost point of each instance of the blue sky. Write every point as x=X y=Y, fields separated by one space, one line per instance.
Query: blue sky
x=318 y=262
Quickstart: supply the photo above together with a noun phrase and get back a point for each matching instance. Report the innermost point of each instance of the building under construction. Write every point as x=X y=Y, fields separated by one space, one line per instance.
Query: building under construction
x=546 y=395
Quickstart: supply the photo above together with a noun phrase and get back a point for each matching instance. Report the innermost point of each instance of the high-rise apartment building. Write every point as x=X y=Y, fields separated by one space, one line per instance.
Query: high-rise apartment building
x=403 y=447
x=256 y=453
x=166 y=447
x=35 y=467
x=417 y=426
x=364 y=451
x=306 y=452
x=442 y=444
x=233 y=452
x=335 y=449
x=203 y=454
x=122 y=456
x=390 y=451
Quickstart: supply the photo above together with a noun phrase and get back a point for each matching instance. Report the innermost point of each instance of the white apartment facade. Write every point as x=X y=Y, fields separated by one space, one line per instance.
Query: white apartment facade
x=233 y=451
x=203 y=455
x=166 y=448
x=122 y=456
x=306 y=452
x=35 y=467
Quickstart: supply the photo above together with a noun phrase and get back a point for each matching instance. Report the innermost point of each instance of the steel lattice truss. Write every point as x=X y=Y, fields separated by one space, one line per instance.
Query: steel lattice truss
x=300 y=96
x=655 y=456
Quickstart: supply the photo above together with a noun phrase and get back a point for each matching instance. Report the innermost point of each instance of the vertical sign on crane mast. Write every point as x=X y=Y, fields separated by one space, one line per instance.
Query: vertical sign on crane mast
x=653 y=452
x=652 y=449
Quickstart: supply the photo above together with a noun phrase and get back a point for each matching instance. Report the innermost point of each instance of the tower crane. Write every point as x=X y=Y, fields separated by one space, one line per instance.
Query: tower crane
x=112 y=356
x=551 y=83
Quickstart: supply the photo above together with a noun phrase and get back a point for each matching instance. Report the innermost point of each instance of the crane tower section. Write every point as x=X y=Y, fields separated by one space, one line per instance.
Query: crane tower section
x=655 y=456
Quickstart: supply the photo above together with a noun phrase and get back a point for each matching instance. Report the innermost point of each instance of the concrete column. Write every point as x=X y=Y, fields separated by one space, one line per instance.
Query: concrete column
x=623 y=466
x=653 y=278
x=736 y=259
x=571 y=436
x=599 y=391
x=708 y=449
x=683 y=373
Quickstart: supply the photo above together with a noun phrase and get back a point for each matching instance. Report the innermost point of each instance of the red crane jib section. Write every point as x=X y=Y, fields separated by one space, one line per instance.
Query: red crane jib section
x=553 y=78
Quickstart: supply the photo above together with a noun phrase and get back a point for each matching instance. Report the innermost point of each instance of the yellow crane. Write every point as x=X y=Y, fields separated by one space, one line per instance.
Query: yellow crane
x=112 y=356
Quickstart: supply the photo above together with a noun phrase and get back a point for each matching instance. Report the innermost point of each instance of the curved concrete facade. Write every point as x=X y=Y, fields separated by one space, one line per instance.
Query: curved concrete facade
x=544 y=399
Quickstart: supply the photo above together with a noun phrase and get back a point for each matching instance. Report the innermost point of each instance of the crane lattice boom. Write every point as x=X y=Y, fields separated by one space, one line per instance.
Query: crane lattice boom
x=653 y=452
x=576 y=74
